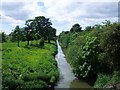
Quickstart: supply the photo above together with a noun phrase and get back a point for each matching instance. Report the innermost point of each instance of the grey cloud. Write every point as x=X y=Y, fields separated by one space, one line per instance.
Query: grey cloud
x=15 y=10
x=102 y=10
x=40 y=3
x=18 y=15
x=12 y=5
x=95 y=9
x=60 y=23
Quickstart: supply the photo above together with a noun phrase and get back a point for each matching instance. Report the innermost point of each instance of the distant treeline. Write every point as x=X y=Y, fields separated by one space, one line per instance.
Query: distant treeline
x=94 y=52
x=38 y=28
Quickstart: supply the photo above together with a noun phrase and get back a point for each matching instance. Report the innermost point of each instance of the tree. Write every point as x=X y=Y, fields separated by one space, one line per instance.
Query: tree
x=3 y=37
x=37 y=28
x=50 y=33
x=41 y=23
x=76 y=28
x=53 y=33
x=36 y=37
x=110 y=46
x=106 y=23
x=17 y=34
x=88 y=28
x=29 y=30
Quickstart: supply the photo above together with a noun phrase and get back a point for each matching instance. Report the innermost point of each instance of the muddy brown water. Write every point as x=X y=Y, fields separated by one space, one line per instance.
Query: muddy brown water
x=66 y=78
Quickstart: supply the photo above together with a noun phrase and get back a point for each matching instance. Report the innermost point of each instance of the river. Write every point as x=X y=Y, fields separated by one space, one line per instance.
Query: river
x=66 y=78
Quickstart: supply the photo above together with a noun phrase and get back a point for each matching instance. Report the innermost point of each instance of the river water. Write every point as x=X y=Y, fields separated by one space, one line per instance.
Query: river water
x=67 y=79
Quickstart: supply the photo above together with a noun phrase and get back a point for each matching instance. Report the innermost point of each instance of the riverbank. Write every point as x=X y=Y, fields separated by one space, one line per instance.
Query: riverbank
x=29 y=66
x=93 y=53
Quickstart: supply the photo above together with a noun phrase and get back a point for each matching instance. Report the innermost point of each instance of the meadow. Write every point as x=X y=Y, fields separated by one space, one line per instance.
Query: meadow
x=29 y=66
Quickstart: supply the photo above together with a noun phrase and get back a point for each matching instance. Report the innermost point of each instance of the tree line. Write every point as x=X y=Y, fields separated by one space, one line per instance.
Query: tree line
x=39 y=28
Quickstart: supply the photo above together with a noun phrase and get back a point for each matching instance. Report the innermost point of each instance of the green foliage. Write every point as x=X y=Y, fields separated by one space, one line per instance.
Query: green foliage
x=87 y=57
x=3 y=37
x=17 y=35
x=115 y=78
x=29 y=67
x=52 y=80
x=50 y=33
x=64 y=39
x=108 y=80
x=35 y=28
x=94 y=50
x=76 y=28
x=102 y=80
x=110 y=46
x=41 y=44
x=81 y=52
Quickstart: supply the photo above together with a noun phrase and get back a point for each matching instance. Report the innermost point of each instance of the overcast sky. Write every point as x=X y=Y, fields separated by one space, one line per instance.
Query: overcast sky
x=62 y=13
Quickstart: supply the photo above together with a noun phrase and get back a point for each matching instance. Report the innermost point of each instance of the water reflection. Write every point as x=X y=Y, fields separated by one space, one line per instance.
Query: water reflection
x=79 y=84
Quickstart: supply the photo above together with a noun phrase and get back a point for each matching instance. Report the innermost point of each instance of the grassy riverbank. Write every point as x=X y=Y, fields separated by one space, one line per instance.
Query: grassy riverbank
x=29 y=66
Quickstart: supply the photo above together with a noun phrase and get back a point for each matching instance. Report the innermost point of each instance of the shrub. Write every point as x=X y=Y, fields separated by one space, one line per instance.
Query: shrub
x=102 y=80
x=41 y=44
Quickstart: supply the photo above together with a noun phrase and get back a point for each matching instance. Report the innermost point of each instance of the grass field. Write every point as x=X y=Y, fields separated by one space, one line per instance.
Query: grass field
x=29 y=66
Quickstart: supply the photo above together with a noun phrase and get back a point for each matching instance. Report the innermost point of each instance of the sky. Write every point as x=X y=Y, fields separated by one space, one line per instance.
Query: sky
x=62 y=13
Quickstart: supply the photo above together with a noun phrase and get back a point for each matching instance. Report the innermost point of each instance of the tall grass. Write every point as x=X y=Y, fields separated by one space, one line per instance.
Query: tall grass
x=29 y=66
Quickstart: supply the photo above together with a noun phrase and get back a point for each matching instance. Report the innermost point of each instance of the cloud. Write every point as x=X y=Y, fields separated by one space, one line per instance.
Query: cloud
x=9 y=20
x=85 y=13
x=62 y=13
x=103 y=10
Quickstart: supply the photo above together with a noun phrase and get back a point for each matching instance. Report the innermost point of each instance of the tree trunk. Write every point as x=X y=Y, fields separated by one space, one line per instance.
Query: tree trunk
x=48 y=39
x=31 y=42
x=18 y=43
x=27 y=42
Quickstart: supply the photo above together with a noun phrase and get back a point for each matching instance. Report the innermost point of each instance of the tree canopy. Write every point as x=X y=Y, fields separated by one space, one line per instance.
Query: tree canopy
x=76 y=28
x=38 y=28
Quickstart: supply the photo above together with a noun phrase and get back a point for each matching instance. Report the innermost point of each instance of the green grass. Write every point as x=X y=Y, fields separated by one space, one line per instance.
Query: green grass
x=28 y=66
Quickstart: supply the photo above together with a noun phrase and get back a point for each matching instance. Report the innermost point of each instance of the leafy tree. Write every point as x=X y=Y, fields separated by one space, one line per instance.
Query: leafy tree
x=37 y=28
x=106 y=23
x=41 y=23
x=50 y=33
x=37 y=37
x=76 y=28
x=29 y=30
x=17 y=34
x=110 y=46
x=88 y=28
x=3 y=37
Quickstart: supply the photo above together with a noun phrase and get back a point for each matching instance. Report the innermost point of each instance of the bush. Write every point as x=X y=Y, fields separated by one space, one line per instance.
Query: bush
x=35 y=84
x=102 y=80
x=110 y=47
x=41 y=44
x=93 y=51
